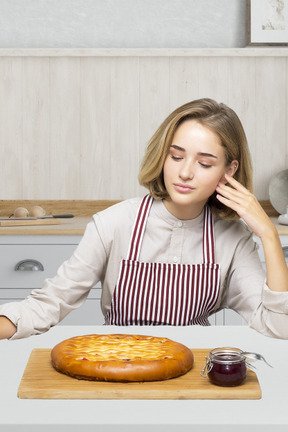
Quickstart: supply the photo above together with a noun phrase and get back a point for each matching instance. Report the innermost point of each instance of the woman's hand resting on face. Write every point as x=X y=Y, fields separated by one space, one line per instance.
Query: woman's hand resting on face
x=238 y=198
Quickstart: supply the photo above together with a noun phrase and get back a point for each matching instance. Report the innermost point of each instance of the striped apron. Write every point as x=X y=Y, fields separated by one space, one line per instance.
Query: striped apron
x=162 y=293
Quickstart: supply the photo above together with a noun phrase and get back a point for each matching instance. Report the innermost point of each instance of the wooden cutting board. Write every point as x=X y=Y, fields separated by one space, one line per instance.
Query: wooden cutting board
x=29 y=222
x=41 y=381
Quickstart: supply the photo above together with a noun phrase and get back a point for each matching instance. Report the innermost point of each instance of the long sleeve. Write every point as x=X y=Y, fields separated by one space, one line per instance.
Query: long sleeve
x=65 y=292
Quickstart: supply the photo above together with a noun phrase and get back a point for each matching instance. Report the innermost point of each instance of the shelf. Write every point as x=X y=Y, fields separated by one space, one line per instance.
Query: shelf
x=145 y=52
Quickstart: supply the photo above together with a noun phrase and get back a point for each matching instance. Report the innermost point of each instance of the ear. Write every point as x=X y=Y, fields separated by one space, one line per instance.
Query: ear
x=231 y=169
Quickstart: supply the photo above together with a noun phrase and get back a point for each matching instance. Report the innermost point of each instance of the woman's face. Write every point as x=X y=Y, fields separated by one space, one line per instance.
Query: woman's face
x=194 y=166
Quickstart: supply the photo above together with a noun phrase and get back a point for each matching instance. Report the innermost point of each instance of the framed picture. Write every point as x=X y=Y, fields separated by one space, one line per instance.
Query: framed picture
x=267 y=22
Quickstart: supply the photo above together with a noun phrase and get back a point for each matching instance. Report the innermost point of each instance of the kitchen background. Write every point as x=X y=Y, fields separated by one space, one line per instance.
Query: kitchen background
x=85 y=83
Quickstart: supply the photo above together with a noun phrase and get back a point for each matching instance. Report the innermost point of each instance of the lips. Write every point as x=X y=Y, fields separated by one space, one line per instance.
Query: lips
x=182 y=188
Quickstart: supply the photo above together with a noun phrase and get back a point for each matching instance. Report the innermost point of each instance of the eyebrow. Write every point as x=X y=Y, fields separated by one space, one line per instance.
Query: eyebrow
x=176 y=147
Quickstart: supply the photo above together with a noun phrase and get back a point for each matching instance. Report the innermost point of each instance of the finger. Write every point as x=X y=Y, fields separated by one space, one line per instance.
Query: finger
x=235 y=199
x=241 y=203
x=230 y=193
x=236 y=184
x=241 y=208
x=229 y=203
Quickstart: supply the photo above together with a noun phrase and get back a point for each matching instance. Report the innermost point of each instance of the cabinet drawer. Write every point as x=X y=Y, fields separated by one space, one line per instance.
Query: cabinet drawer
x=50 y=256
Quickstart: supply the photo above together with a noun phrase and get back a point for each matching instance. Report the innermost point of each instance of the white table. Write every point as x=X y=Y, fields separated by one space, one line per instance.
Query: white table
x=267 y=414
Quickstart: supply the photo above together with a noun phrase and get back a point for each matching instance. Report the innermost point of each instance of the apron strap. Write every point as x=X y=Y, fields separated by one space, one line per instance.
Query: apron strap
x=139 y=228
x=208 y=237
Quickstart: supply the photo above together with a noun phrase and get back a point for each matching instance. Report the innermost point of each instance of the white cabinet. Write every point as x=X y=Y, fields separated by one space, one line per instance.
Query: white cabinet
x=39 y=258
x=227 y=317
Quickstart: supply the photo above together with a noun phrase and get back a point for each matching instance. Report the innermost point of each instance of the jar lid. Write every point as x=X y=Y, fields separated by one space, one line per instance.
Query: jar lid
x=227 y=355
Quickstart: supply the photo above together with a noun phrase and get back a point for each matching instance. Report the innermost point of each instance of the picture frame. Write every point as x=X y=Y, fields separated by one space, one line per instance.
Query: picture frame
x=267 y=22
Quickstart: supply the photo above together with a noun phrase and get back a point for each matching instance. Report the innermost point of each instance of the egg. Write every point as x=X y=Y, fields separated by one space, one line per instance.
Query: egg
x=37 y=211
x=20 y=212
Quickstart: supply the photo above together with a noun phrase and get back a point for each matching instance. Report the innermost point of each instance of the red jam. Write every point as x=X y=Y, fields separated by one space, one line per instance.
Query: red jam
x=227 y=367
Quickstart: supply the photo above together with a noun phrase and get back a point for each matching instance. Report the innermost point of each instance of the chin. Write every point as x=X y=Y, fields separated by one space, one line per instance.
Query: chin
x=186 y=200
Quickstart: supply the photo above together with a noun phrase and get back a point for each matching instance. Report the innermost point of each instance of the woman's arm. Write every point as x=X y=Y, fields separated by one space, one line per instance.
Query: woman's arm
x=249 y=209
x=7 y=328
x=63 y=293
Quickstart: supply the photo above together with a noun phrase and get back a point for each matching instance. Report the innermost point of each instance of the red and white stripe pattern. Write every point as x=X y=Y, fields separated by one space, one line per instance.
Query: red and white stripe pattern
x=163 y=293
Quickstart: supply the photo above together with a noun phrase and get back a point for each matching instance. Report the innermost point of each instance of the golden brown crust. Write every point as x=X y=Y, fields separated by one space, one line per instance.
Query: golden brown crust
x=119 y=357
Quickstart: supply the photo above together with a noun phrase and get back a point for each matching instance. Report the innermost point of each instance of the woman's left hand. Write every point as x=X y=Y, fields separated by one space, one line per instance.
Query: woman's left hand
x=241 y=200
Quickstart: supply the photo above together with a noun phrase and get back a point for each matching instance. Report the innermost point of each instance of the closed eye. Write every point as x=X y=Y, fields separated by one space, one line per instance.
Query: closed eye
x=205 y=165
x=176 y=158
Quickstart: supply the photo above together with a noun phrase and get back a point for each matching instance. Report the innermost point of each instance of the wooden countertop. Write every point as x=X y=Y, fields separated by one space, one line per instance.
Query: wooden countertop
x=83 y=211
x=75 y=226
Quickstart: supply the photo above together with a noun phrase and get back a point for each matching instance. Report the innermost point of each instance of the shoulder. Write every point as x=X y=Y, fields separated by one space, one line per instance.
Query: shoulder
x=116 y=222
x=118 y=213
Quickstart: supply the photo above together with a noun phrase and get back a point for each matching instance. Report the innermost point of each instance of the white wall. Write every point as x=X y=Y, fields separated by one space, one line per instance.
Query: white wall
x=122 y=23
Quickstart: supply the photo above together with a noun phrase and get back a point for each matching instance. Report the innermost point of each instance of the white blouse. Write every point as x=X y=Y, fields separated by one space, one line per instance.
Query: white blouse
x=166 y=239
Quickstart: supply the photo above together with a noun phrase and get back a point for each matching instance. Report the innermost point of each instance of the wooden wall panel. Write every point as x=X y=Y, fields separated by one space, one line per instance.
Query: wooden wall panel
x=11 y=125
x=76 y=127
x=36 y=127
x=271 y=119
x=184 y=80
x=213 y=78
x=124 y=124
x=65 y=136
x=95 y=154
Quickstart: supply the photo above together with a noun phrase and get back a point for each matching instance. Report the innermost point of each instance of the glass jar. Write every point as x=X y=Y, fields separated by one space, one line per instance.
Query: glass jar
x=225 y=367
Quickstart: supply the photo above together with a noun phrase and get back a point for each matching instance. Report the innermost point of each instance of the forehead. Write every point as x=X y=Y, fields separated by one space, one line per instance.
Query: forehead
x=193 y=132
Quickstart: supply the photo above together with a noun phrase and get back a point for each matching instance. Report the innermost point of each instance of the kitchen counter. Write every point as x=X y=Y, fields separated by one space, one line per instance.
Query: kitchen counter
x=73 y=226
x=266 y=414
x=77 y=225
x=83 y=211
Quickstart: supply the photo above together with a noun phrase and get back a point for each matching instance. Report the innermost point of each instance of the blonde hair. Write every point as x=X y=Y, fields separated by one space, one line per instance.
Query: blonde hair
x=219 y=118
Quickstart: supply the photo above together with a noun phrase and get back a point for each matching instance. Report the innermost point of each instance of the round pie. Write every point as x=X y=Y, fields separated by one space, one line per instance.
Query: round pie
x=120 y=357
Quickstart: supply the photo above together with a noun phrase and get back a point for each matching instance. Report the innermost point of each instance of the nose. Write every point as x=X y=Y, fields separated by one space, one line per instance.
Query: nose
x=186 y=172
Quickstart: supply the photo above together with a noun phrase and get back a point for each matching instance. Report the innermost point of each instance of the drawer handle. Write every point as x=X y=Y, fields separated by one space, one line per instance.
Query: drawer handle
x=29 y=265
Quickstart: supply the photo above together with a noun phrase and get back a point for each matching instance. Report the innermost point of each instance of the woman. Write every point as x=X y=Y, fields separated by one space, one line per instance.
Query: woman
x=180 y=253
